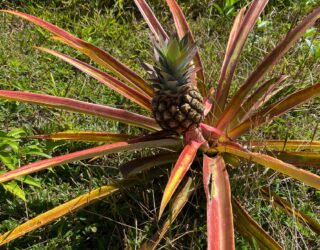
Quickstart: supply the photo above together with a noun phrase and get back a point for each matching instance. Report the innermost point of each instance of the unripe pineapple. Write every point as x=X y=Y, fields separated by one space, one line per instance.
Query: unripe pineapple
x=177 y=104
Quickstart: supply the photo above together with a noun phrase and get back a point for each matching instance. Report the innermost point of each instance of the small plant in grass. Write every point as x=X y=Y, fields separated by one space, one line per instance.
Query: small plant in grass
x=11 y=151
x=225 y=8
x=188 y=118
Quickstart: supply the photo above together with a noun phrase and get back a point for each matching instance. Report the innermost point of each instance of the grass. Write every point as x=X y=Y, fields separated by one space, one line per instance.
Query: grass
x=125 y=220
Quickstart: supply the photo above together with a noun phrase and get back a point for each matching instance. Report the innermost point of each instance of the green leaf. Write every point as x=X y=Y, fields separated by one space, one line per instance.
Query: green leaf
x=17 y=133
x=29 y=180
x=9 y=160
x=14 y=188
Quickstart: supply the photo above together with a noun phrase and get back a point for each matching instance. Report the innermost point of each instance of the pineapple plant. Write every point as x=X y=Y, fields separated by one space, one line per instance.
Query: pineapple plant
x=177 y=104
x=197 y=122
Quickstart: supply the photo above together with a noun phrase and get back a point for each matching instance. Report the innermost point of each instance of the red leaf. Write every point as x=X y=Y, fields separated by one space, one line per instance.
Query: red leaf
x=134 y=144
x=151 y=20
x=258 y=98
x=238 y=36
x=274 y=110
x=98 y=55
x=82 y=107
x=302 y=175
x=219 y=210
x=113 y=83
x=266 y=65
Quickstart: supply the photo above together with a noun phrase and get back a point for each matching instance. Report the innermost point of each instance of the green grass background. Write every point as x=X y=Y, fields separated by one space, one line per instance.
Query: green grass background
x=125 y=220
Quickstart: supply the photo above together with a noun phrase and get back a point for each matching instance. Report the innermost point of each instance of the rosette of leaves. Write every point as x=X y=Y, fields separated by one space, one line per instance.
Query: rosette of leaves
x=214 y=141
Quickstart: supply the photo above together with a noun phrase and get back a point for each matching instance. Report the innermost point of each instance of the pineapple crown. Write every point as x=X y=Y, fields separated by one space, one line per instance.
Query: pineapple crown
x=173 y=70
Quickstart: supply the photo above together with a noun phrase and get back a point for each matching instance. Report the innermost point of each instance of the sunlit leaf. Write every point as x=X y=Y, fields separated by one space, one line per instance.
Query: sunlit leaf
x=233 y=34
x=282 y=145
x=238 y=36
x=180 y=169
x=14 y=188
x=61 y=210
x=260 y=96
x=84 y=136
x=301 y=159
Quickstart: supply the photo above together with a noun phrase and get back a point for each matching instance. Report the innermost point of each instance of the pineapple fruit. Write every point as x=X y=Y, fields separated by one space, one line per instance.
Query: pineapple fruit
x=177 y=104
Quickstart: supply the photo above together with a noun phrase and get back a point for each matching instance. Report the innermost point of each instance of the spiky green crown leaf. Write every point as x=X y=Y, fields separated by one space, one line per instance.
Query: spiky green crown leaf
x=173 y=69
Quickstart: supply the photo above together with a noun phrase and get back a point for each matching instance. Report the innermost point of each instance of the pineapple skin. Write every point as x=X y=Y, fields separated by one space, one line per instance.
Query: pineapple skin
x=180 y=112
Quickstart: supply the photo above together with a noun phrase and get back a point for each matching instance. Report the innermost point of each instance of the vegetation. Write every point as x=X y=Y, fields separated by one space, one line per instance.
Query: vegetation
x=131 y=214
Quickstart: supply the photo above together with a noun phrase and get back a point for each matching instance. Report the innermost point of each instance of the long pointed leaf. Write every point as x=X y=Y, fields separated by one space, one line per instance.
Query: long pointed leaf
x=288 y=209
x=275 y=110
x=142 y=164
x=283 y=145
x=133 y=144
x=219 y=210
x=183 y=28
x=300 y=159
x=260 y=96
x=251 y=230
x=234 y=50
x=82 y=107
x=180 y=169
x=177 y=205
x=97 y=55
x=84 y=136
x=307 y=177
x=266 y=65
x=211 y=133
x=233 y=34
x=59 y=211
x=151 y=20
x=72 y=206
x=113 y=83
